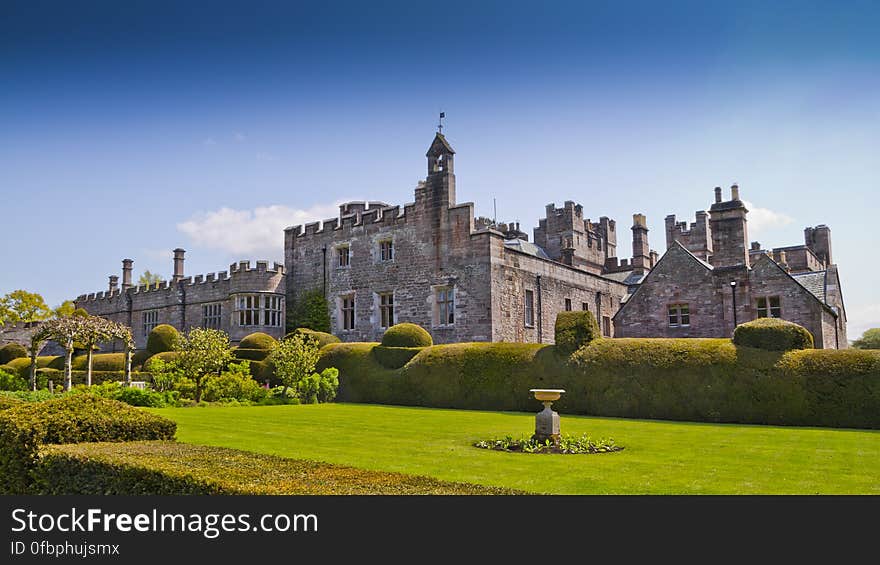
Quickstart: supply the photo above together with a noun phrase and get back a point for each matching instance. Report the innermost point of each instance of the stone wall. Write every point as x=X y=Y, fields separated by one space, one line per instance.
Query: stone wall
x=181 y=304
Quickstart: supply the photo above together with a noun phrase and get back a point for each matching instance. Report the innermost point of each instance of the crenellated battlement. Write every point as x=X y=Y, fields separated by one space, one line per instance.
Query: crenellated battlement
x=239 y=269
x=353 y=215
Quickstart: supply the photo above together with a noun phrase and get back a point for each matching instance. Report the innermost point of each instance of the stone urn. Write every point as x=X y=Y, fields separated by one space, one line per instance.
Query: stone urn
x=547 y=421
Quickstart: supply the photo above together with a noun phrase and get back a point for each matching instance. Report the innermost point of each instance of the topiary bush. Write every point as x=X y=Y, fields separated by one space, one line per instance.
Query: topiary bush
x=12 y=381
x=100 y=362
x=773 y=334
x=251 y=354
x=139 y=356
x=12 y=351
x=574 y=330
x=407 y=335
x=323 y=338
x=71 y=419
x=395 y=357
x=162 y=338
x=258 y=340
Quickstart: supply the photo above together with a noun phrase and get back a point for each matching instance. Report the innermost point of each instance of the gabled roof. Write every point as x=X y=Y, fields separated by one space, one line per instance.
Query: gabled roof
x=813 y=281
x=626 y=277
x=440 y=140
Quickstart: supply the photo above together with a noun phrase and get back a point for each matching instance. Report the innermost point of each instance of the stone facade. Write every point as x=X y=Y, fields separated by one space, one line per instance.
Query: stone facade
x=694 y=279
x=431 y=262
x=239 y=301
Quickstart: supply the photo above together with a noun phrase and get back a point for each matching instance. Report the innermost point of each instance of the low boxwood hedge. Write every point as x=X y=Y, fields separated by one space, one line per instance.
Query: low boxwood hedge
x=23 y=364
x=406 y=335
x=7 y=402
x=170 y=468
x=773 y=334
x=69 y=419
x=12 y=351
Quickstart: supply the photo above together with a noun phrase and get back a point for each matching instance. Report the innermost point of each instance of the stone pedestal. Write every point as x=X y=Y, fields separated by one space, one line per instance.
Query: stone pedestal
x=547 y=425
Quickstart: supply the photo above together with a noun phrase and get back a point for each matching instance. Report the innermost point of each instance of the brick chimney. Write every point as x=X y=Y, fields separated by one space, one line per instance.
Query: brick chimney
x=114 y=283
x=641 y=259
x=178 y=264
x=126 y=273
x=730 y=235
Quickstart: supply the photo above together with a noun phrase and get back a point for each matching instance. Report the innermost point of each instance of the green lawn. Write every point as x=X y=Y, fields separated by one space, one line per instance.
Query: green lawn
x=660 y=457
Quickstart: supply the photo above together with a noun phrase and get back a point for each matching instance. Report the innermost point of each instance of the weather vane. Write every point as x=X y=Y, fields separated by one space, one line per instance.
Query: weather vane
x=440 y=124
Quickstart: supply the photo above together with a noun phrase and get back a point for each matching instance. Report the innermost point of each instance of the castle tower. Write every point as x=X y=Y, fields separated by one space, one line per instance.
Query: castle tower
x=126 y=273
x=178 y=265
x=641 y=258
x=439 y=186
x=730 y=236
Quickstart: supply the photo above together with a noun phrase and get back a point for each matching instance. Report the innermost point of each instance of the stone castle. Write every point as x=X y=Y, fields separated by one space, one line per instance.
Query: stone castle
x=465 y=278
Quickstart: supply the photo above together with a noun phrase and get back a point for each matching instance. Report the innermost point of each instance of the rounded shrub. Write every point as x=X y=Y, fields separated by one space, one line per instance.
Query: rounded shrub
x=258 y=340
x=162 y=338
x=394 y=357
x=574 y=330
x=251 y=354
x=167 y=356
x=323 y=338
x=139 y=356
x=100 y=362
x=407 y=335
x=11 y=351
x=773 y=334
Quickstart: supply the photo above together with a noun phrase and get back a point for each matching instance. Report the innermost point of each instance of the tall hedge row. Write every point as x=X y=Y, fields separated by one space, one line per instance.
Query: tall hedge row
x=708 y=380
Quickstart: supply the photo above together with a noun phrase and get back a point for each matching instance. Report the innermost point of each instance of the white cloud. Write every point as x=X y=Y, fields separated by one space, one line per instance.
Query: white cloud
x=764 y=219
x=260 y=230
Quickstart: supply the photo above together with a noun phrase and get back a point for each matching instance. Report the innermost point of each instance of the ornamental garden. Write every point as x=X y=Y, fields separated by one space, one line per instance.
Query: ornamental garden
x=761 y=413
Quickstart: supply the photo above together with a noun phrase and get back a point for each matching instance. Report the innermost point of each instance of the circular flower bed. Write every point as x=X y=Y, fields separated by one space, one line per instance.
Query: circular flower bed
x=567 y=444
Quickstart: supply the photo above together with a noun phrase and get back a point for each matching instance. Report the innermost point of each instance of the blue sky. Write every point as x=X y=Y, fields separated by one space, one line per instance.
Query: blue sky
x=132 y=128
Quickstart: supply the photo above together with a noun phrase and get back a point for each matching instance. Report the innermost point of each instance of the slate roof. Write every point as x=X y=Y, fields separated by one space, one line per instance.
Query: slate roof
x=626 y=277
x=813 y=281
x=526 y=247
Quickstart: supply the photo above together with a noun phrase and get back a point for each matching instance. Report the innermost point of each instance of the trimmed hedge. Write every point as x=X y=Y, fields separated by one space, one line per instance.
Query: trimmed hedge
x=773 y=334
x=70 y=419
x=7 y=402
x=406 y=335
x=251 y=354
x=100 y=362
x=323 y=338
x=139 y=357
x=167 y=356
x=170 y=468
x=23 y=365
x=395 y=357
x=574 y=330
x=258 y=340
x=162 y=339
x=704 y=380
x=12 y=351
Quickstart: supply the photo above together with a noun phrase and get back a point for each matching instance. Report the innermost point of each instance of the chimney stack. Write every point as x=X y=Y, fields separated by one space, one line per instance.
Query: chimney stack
x=717 y=194
x=126 y=273
x=783 y=262
x=734 y=191
x=178 y=265
x=114 y=283
x=641 y=259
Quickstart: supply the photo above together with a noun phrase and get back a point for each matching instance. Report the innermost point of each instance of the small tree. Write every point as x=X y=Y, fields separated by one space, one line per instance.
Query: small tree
x=66 y=331
x=150 y=279
x=869 y=340
x=23 y=306
x=38 y=340
x=203 y=351
x=95 y=330
x=294 y=359
x=66 y=308
x=310 y=311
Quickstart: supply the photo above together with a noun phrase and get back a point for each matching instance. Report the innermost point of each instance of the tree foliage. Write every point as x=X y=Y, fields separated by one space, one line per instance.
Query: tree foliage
x=294 y=359
x=202 y=352
x=64 y=309
x=869 y=340
x=310 y=311
x=150 y=279
x=23 y=306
